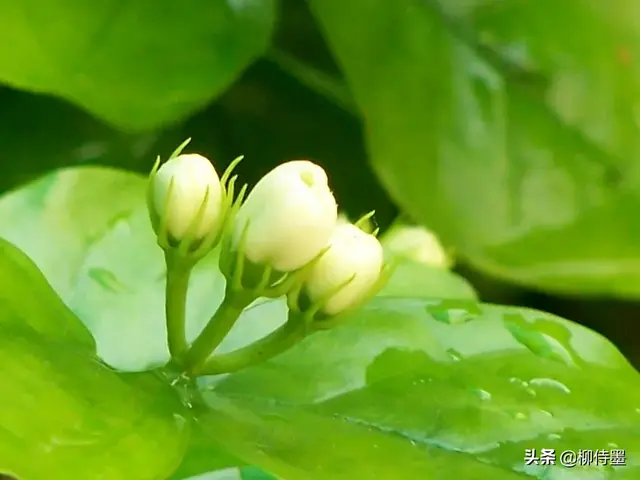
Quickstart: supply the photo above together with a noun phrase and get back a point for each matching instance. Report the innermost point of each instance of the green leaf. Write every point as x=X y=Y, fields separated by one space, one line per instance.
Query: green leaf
x=103 y=259
x=429 y=387
x=438 y=389
x=60 y=134
x=138 y=65
x=101 y=256
x=508 y=135
x=244 y=473
x=414 y=280
x=204 y=456
x=119 y=294
x=20 y=283
x=69 y=208
x=95 y=219
x=64 y=414
x=297 y=444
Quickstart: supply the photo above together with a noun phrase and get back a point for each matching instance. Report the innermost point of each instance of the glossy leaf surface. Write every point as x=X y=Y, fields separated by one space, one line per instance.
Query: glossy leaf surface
x=438 y=389
x=65 y=414
x=434 y=388
x=514 y=139
x=102 y=257
x=138 y=64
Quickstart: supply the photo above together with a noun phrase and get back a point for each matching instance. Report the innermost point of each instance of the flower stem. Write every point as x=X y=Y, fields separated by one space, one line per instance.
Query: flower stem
x=215 y=331
x=178 y=273
x=280 y=340
x=324 y=84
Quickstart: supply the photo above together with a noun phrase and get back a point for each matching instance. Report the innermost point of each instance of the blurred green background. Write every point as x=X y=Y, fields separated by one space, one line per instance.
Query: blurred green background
x=461 y=108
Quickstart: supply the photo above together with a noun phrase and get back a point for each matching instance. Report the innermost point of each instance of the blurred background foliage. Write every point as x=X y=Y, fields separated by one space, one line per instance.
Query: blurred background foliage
x=498 y=125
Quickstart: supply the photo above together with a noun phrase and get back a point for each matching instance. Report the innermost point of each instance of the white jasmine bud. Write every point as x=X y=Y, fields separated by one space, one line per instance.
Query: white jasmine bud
x=416 y=243
x=288 y=216
x=181 y=186
x=354 y=260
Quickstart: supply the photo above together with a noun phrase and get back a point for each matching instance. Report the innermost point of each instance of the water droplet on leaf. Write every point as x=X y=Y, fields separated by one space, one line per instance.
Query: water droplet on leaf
x=454 y=354
x=549 y=383
x=483 y=394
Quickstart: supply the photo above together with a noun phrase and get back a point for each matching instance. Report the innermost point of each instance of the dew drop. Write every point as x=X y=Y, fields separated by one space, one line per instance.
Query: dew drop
x=454 y=354
x=554 y=437
x=519 y=382
x=520 y=416
x=454 y=312
x=550 y=383
x=537 y=342
x=483 y=394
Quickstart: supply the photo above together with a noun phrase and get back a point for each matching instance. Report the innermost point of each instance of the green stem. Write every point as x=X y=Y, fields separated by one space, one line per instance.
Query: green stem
x=215 y=331
x=326 y=85
x=280 y=340
x=178 y=273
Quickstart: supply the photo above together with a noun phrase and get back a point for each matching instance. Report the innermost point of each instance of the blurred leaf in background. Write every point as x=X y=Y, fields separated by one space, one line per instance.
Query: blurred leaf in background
x=514 y=139
x=485 y=131
x=138 y=64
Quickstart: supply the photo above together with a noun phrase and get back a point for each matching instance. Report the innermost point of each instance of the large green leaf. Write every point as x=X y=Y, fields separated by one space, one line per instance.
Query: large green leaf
x=202 y=456
x=20 y=282
x=510 y=136
x=56 y=218
x=102 y=258
x=434 y=388
x=40 y=133
x=95 y=219
x=119 y=294
x=87 y=215
x=63 y=413
x=439 y=389
x=297 y=444
x=136 y=64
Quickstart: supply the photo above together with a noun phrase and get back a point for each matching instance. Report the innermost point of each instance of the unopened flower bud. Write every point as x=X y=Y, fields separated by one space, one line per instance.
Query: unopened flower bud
x=180 y=188
x=416 y=243
x=354 y=260
x=288 y=216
